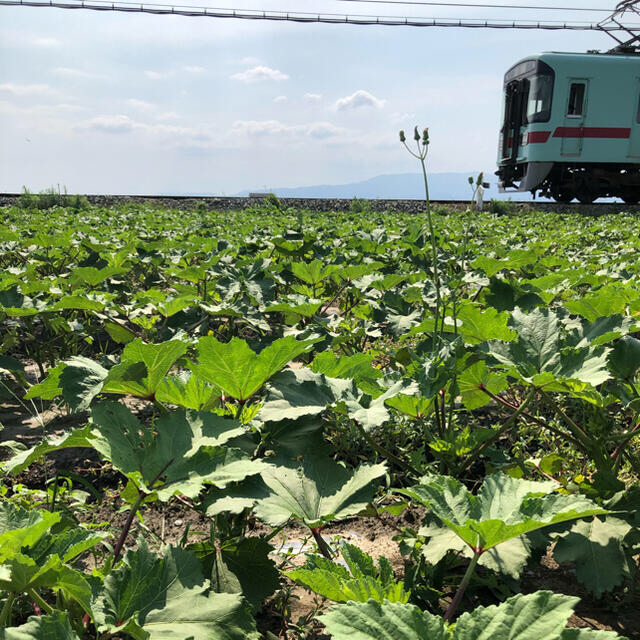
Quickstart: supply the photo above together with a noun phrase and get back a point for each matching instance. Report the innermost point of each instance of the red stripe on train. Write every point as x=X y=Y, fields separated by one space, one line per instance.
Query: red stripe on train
x=592 y=132
x=538 y=136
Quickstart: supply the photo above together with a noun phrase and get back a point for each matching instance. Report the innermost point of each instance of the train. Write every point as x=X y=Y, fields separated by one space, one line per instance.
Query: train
x=571 y=127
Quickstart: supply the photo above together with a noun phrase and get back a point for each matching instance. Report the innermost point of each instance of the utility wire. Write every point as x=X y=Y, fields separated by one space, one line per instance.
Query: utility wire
x=480 y=6
x=302 y=17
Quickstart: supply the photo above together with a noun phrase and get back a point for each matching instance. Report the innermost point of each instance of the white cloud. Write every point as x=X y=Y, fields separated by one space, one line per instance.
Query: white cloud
x=168 y=115
x=26 y=89
x=313 y=97
x=257 y=74
x=280 y=99
x=74 y=73
x=358 y=99
x=45 y=43
x=262 y=128
x=109 y=124
x=141 y=105
x=158 y=75
x=194 y=69
x=249 y=60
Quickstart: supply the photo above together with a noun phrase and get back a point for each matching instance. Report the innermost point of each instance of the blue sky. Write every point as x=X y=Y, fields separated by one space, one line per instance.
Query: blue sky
x=128 y=103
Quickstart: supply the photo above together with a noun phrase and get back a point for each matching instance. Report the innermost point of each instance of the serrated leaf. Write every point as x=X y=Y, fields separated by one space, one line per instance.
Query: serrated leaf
x=333 y=581
x=318 y=492
x=504 y=507
x=539 y=615
x=142 y=367
x=188 y=391
x=624 y=359
x=595 y=546
x=20 y=461
x=479 y=325
x=472 y=381
x=81 y=381
x=53 y=627
x=21 y=528
x=163 y=597
x=389 y=621
x=239 y=371
x=238 y=564
x=181 y=454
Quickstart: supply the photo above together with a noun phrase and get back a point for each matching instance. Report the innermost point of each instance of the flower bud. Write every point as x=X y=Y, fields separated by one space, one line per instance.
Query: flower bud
x=402 y=138
x=470 y=179
x=425 y=136
x=416 y=135
x=480 y=179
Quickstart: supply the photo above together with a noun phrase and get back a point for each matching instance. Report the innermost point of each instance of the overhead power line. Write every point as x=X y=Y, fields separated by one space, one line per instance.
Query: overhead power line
x=474 y=5
x=302 y=17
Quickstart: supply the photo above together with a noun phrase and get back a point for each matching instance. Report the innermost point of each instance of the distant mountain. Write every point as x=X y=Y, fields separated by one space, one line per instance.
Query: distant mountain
x=409 y=186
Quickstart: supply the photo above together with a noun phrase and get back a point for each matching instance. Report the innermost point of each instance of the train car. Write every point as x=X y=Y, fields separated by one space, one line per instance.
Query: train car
x=571 y=127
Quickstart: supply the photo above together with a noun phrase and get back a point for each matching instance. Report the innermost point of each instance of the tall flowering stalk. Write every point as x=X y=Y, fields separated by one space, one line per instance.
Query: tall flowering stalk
x=422 y=148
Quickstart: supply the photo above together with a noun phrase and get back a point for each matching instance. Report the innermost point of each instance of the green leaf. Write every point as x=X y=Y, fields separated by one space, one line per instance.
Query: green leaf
x=180 y=455
x=389 y=621
x=595 y=545
x=333 y=581
x=21 y=528
x=318 y=492
x=187 y=390
x=625 y=357
x=539 y=615
x=157 y=360
x=77 y=302
x=312 y=272
x=479 y=325
x=540 y=357
x=167 y=596
x=21 y=573
x=49 y=388
x=244 y=566
x=239 y=371
x=476 y=377
x=118 y=333
x=296 y=393
x=53 y=627
x=504 y=507
x=76 y=438
x=81 y=381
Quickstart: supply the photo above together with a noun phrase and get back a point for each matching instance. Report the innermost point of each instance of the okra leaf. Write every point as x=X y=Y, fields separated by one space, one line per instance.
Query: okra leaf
x=318 y=492
x=53 y=627
x=153 y=597
x=238 y=370
x=595 y=545
x=383 y=621
x=503 y=509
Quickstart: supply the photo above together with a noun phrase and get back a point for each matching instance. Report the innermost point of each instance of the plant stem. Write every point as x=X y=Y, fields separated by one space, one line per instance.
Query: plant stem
x=508 y=424
x=5 y=614
x=37 y=598
x=463 y=586
x=542 y=423
x=382 y=451
x=322 y=543
x=127 y=525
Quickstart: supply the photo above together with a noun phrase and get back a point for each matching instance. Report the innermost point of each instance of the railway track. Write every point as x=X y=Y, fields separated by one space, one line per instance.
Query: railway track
x=228 y=203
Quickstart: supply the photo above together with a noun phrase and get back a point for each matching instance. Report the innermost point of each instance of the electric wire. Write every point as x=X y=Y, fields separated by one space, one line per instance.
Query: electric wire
x=302 y=17
x=474 y=5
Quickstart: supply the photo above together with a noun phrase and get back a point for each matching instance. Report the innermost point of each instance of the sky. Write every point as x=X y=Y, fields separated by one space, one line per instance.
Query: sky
x=103 y=102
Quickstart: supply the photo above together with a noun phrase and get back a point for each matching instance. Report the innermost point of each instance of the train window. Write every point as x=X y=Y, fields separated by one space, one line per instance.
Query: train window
x=539 y=101
x=576 y=99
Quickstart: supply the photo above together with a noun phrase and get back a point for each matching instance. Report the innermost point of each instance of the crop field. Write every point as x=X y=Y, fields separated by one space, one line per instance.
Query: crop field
x=272 y=423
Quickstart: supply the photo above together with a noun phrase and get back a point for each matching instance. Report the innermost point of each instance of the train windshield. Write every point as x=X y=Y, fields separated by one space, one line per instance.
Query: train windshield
x=539 y=99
